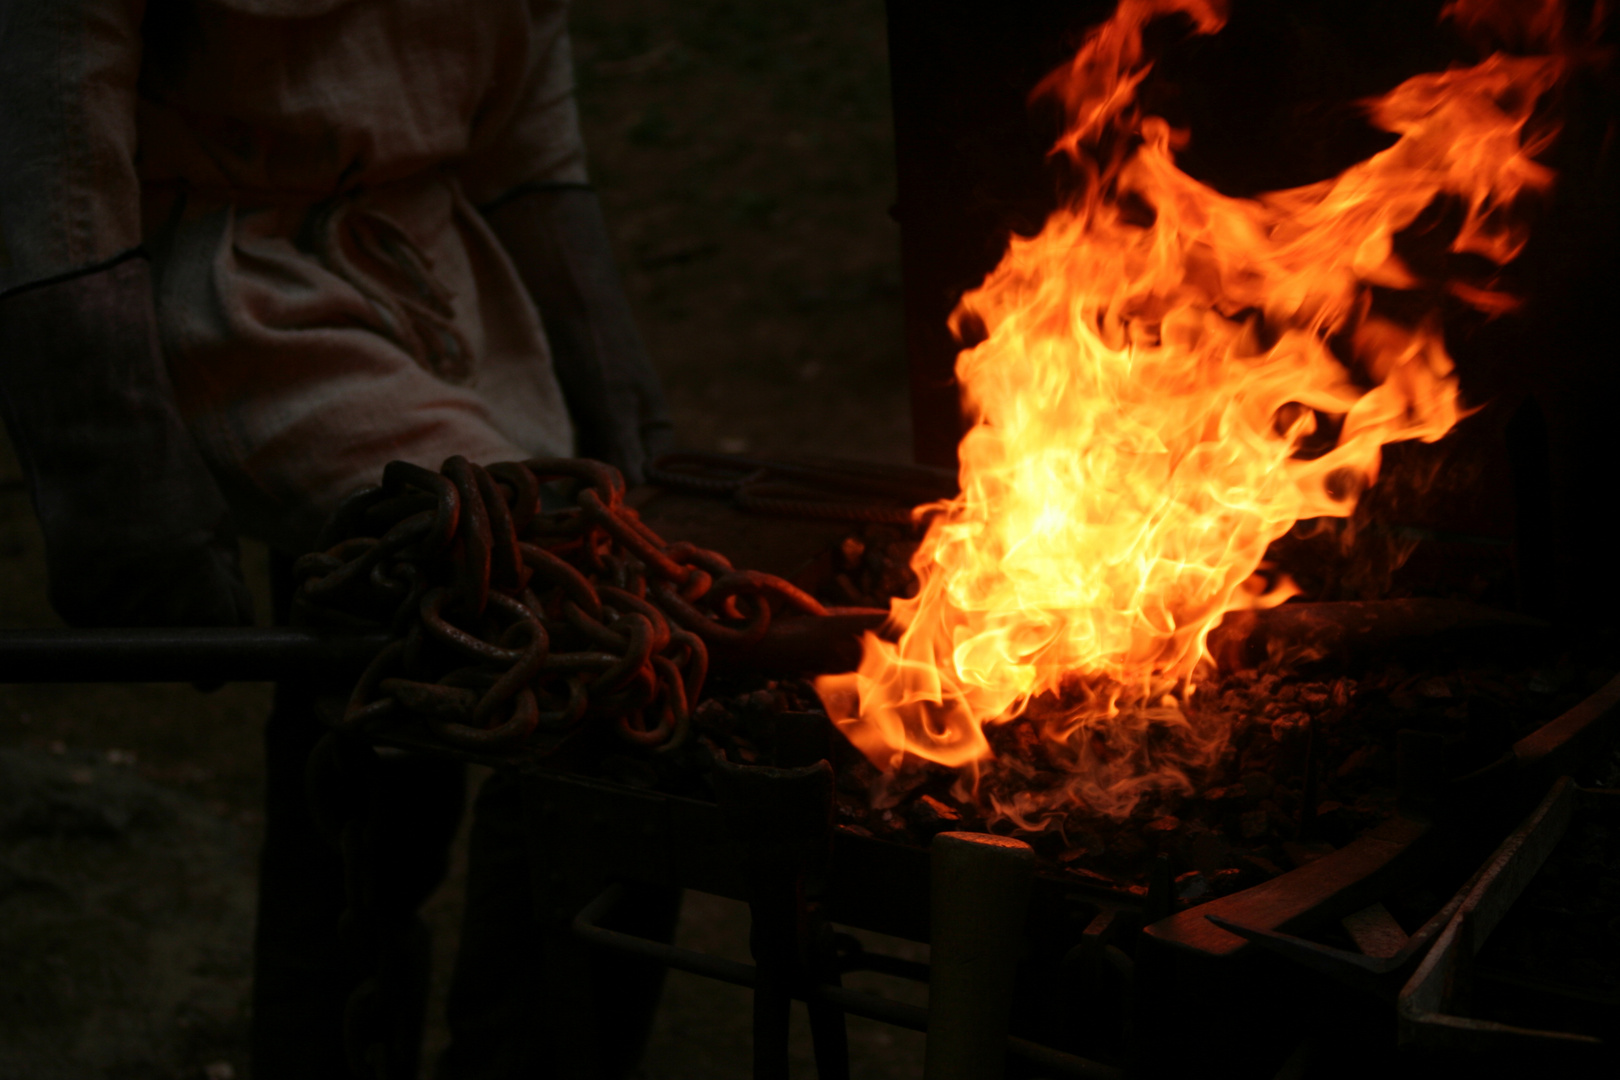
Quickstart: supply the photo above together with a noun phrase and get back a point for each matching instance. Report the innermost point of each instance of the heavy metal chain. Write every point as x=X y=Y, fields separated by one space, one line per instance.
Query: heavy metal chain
x=510 y=620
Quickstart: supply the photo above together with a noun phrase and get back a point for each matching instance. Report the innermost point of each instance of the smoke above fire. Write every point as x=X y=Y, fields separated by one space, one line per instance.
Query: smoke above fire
x=1150 y=371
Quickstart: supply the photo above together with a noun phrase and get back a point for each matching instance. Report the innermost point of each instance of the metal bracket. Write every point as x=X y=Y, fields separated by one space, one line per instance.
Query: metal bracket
x=1425 y=1007
x=854 y=1002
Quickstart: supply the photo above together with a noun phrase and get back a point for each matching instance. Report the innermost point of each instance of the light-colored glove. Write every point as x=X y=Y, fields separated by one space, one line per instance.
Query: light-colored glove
x=136 y=530
x=559 y=244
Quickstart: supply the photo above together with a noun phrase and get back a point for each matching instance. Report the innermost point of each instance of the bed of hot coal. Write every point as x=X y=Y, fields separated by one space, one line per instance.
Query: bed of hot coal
x=1251 y=818
x=1309 y=765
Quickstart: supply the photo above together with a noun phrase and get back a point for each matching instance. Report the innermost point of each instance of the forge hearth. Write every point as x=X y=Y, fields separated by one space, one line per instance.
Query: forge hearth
x=1202 y=923
x=1395 y=748
x=1419 y=730
x=1316 y=760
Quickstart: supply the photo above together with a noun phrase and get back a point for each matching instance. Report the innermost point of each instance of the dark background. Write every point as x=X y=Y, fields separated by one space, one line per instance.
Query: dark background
x=746 y=155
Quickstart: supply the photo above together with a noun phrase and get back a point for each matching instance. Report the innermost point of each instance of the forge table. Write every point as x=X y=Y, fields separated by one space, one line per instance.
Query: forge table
x=1221 y=976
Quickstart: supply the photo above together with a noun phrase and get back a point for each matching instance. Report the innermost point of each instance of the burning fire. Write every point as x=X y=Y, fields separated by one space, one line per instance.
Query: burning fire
x=1152 y=366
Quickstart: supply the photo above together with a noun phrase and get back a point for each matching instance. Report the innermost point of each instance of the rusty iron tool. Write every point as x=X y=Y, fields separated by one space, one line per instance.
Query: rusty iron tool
x=1339 y=883
x=808 y=487
x=1380 y=972
x=1349 y=632
x=818 y=645
x=1557 y=747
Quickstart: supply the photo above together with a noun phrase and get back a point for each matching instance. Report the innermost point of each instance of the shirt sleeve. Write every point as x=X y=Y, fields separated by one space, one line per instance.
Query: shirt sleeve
x=69 y=197
x=537 y=141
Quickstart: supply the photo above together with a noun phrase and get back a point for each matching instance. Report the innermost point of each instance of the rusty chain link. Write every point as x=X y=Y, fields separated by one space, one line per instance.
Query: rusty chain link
x=508 y=619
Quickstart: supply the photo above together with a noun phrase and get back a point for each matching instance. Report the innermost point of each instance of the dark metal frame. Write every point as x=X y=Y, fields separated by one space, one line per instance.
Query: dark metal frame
x=603 y=833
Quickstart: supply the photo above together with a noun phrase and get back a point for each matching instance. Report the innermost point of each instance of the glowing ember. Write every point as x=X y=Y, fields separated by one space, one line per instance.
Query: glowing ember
x=1152 y=365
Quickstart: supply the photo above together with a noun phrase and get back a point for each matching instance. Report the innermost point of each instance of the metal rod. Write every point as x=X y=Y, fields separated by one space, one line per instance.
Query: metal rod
x=256 y=654
x=870 y=1006
x=189 y=654
x=264 y=654
x=829 y=1036
x=1426 y=1010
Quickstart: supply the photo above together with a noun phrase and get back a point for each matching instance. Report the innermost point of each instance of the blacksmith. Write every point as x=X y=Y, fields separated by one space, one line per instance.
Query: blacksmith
x=250 y=252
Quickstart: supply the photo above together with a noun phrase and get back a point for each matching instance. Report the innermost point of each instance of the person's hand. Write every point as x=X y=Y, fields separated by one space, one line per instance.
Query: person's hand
x=559 y=244
x=136 y=530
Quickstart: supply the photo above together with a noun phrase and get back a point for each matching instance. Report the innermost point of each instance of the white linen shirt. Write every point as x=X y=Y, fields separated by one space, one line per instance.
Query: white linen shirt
x=305 y=175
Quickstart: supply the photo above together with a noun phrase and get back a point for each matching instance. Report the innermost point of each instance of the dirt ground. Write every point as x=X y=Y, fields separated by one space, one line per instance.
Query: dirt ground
x=744 y=154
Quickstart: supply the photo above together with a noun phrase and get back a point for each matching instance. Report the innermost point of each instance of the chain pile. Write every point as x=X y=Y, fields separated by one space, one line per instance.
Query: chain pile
x=509 y=620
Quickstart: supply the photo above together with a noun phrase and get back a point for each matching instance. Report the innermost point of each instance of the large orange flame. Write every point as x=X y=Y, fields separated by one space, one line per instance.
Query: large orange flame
x=1153 y=362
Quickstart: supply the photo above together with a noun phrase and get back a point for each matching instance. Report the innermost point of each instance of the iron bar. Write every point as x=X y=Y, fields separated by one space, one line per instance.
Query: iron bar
x=1428 y=1008
x=187 y=654
x=265 y=654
